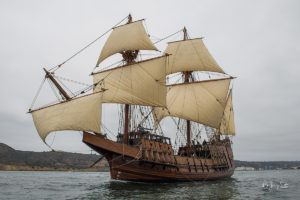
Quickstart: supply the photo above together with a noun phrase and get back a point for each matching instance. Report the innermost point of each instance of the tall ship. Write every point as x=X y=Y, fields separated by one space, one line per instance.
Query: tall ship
x=183 y=84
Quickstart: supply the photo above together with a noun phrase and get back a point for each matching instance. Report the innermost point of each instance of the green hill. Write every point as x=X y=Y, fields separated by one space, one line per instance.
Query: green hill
x=50 y=160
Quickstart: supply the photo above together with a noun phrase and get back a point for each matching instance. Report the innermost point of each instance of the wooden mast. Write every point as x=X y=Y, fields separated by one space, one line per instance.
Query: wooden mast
x=128 y=57
x=61 y=90
x=187 y=75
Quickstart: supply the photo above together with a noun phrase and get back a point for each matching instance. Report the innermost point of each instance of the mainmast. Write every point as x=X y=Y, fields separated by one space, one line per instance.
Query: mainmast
x=133 y=78
x=187 y=75
x=129 y=57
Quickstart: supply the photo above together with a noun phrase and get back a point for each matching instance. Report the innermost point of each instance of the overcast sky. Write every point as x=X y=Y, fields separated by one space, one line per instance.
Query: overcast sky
x=255 y=40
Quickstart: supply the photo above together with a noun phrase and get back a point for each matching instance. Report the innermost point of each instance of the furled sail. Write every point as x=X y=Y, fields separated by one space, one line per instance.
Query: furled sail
x=82 y=114
x=201 y=102
x=227 y=124
x=190 y=55
x=141 y=83
x=130 y=36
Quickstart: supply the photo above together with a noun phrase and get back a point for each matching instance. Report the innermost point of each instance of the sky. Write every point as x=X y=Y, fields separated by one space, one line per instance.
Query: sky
x=256 y=41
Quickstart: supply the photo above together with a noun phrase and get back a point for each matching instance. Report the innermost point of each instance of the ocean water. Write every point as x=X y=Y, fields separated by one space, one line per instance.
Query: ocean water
x=98 y=185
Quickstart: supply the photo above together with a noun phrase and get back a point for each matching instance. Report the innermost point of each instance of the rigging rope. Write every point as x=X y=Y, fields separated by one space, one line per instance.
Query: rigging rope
x=53 y=139
x=65 y=86
x=53 y=89
x=37 y=94
x=72 y=81
x=167 y=37
x=146 y=28
x=81 y=50
x=106 y=129
x=144 y=118
x=118 y=62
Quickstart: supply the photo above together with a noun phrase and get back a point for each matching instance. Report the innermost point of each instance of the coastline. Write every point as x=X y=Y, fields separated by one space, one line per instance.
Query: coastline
x=4 y=167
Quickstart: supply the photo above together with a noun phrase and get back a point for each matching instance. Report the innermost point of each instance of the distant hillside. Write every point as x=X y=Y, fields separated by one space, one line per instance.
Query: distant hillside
x=11 y=159
x=51 y=160
x=267 y=165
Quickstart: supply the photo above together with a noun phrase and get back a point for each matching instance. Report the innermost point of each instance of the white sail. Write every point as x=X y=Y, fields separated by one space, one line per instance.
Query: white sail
x=227 y=124
x=130 y=36
x=82 y=114
x=141 y=83
x=201 y=102
x=190 y=55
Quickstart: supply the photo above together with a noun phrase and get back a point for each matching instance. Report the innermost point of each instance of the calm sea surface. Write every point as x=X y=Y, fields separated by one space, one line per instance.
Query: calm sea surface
x=98 y=185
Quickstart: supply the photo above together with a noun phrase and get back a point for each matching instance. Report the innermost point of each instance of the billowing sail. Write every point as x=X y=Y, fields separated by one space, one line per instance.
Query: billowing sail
x=82 y=114
x=142 y=83
x=201 y=102
x=190 y=55
x=130 y=36
x=227 y=124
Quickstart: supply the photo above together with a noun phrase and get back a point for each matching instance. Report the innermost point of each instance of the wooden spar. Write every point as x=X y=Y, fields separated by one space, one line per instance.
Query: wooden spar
x=220 y=79
x=188 y=136
x=130 y=63
x=129 y=19
x=184 y=34
x=188 y=123
x=217 y=134
x=61 y=90
x=126 y=124
x=128 y=57
x=127 y=23
x=187 y=75
x=103 y=156
x=199 y=38
x=62 y=102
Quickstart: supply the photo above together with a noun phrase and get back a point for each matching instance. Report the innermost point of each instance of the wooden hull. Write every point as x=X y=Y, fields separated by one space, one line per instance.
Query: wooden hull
x=130 y=163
